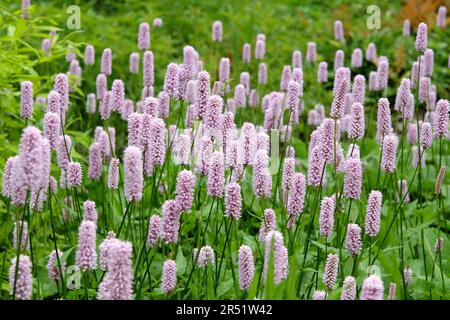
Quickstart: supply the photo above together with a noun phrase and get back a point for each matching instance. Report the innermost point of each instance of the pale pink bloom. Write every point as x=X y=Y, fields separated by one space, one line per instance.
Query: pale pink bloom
x=86 y=254
x=185 y=189
x=338 y=30
x=322 y=72
x=353 y=241
x=331 y=271
x=372 y=288
x=22 y=285
x=217 y=31
x=297 y=59
x=169 y=274
x=274 y=239
x=326 y=216
x=154 y=227
x=357 y=57
x=373 y=213
x=349 y=288
x=311 y=52
x=106 y=64
x=353 y=178
x=246 y=267
x=170 y=222
x=216 y=175
x=133 y=172
x=371 y=52
x=144 y=36
x=26 y=100
x=389 y=156
x=268 y=224
x=421 y=38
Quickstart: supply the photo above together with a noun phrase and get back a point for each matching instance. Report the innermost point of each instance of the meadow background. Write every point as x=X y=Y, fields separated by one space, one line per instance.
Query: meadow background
x=288 y=26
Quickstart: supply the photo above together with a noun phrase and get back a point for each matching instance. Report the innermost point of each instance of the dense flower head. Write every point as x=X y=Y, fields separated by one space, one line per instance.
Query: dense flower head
x=440 y=179
x=74 y=174
x=86 y=254
x=441 y=18
x=319 y=295
x=268 y=224
x=274 y=239
x=288 y=174
x=106 y=62
x=327 y=141
x=342 y=87
x=383 y=73
x=26 y=100
x=311 y=52
x=213 y=112
x=262 y=180
x=205 y=257
x=62 y=87
x=154 y=227
x=338 y=30
x=357 y=57
x=105 y=107
x=90 y=212
x=169 y=276
x=441 y=119
x=7 y=174
x=338 y=59
x=372 y=288
x=133 y=173
x=170 y=221
x=246 y=53
x=101 y=85
x=216 y=175
x=113 y=174
x=285 y=78
x=203 y=93
x=144 y=36
x=353 y=178
x=373 y=81
x=392 y=295
x=53 y=265
x=389 y=156
x=239 y=95
x=29 y=164
x=52 y=126
x=316 y=163
x=357 y=124
x=421 y=38
x=426 y=135
x=407 y=276
x=428 y=62
x=217 y=31
x=353 y=241
x=22 y=285
x=384 y=123
x=95 y=161
x=331 y=270
x=134 y=129
x=406 y=28
x=185 y=189
x=233 y=201
x=326 y=216
x=262 y=73
x=171 y=80
x=297 y=59
x=322 y=72
x=224 y=70
x=348 y=288
x=296 y=196
x=260 y=49
x=246 y=267
x=373 y=213
x=20 y=230
x=89 y=55
x=371 y=52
